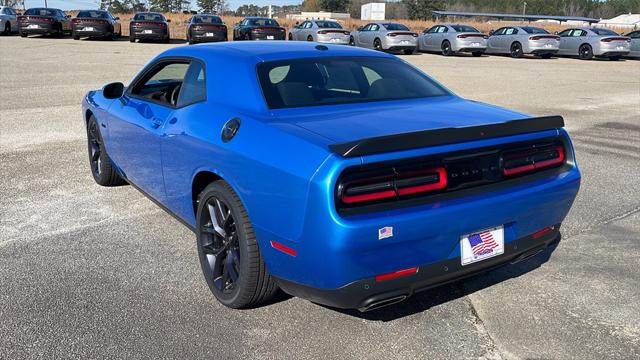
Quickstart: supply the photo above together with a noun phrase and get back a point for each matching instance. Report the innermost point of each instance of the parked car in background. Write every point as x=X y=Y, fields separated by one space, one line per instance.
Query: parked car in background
x=258 y=28
x=322 y=31
x=149 y=26
x=634 y=48
x=336 y=174
x=452 y=38
x=44 y=21
x=585 y=43
x=206 y=28
x=8 y=20
x=385 y=36
x=95 y=23
x=520 y=40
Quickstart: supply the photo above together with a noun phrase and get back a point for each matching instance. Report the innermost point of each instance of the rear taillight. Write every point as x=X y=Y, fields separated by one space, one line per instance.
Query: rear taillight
x=89 y=21
x=464 y=36
x=543 y=37
x=392 y=184
x=612 y=39
x=515 y=163
x=394 y=34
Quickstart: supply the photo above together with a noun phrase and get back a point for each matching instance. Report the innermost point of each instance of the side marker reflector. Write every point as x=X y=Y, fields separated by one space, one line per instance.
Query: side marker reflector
x=283 y=248
x=397 y=274
x=541 y=232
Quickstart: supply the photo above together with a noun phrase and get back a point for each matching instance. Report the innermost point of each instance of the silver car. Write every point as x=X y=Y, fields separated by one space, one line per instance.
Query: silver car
x=635 y=44
x=323 y=31
x=519 y=40
x=8 y=20
x=385 y=36
x=589 y=42
x=452 y=38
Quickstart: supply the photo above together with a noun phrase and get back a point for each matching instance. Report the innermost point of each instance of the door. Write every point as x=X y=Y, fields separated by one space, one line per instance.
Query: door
x=577 y=38
x=505 y=41
x=426 y=38
x=494 y=39
x=361 y=35
x=137 y=121
x=439 y=37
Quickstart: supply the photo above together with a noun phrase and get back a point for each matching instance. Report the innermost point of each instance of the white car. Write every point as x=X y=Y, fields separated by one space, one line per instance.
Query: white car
x=635 y=44
x=322 y=31
x=452 y=38
x=587 y=43
x=8 y=20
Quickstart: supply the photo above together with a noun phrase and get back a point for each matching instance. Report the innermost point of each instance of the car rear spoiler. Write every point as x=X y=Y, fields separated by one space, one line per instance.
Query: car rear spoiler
x=418 y=139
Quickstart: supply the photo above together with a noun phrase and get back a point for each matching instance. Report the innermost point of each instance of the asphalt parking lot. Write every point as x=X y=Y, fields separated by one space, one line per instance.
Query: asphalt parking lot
x=92 y=272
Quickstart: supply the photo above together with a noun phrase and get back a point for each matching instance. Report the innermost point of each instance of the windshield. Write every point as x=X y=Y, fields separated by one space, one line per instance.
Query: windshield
x=604 y=32
x=41 y=12
x=328 y=25
x=93 y=14
x=263 y=22
x=534 y=30
x=342 y=80
x=394 y=26
x=148 y=17
x=464 y=28
x=207 y=20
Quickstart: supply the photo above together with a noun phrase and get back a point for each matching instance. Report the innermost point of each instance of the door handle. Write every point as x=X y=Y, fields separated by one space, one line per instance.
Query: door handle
x=156 y=122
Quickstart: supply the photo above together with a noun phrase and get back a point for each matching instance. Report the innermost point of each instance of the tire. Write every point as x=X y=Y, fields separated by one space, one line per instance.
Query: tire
x=546 y=56
x=585 y=52
x=290 y=37
x=7 y=29
x=410 y=51
x=132 y=38
x=377 y=44
x=75 y=36
x=230 y=257
x=477 y=53
x=615 y=58
x=23 y=34
x=310 y=38
x=516 y=50
x=100 y=164
x=446 y=48
x=352 y=41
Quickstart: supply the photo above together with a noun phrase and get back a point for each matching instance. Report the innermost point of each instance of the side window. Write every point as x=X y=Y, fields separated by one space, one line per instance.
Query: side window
x=367 y=27
x=432 y=30
x=162 y=84
x=444 y=29
x=564 y=33
x=511 y=31
x=309 y=25
x=499 y=31
x=576 y=33
x=375 y=27
x=634 y=35
x=193 y=87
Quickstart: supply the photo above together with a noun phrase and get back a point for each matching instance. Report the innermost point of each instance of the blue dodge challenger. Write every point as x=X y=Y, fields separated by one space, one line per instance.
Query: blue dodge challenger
x=340 y=175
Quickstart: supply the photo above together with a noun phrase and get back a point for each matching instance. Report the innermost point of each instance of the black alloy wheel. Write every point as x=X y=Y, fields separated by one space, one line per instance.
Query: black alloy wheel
x=446 y=48
x=377 y=44
x=585 y=52
x=352 y=41
x=516 y=50
x=229 y=254
x=7 y=28
x=101 y=167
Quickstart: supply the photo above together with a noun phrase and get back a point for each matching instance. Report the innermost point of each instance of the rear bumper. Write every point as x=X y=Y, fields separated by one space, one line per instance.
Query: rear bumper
x=613 y=53
x=611 y=49
x=97 y=32
x=208 y=36
x=333 y=39
x=368 y=294
x=262 y=36
x=157 y=34
x=398 y=43
x=41 y=29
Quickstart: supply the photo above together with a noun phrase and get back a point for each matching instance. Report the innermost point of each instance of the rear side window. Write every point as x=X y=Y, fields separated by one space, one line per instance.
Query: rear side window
x=634 y=35
x=604 y=32
x=464 y=28
x=510 y=31
x=342 y=80
x=193 y=87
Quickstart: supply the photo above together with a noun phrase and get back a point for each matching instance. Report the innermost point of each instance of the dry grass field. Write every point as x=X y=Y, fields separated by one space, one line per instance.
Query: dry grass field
x=179 y=21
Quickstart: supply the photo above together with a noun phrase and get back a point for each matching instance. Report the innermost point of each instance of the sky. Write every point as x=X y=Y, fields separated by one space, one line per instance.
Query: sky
x=86 y=4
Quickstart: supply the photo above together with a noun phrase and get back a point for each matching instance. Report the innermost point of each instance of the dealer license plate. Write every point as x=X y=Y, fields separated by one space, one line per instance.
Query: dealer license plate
x=482 y=245
x=475 y=44
x=404 y=42
x=269 y=37
x=147 y=31
x=33 y=26
x=208 y=34
x=88 y=28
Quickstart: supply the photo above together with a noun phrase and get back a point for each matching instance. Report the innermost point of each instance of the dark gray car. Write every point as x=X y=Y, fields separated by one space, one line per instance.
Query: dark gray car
x=206 y=28
x=149 y=26
x=44 y=21
x=96 y=23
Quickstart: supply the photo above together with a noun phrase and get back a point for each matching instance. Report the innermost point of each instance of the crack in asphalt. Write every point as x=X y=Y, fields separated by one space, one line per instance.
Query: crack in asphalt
x=493 y=351
x=607 y=221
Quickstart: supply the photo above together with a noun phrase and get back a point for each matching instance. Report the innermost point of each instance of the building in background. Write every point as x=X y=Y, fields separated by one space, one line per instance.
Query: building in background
x=319 y=15
x=372 y=11
x=625 y=21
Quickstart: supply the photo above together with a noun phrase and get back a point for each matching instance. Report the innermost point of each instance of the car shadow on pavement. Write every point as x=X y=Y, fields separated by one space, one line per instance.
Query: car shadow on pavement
x=425 y=300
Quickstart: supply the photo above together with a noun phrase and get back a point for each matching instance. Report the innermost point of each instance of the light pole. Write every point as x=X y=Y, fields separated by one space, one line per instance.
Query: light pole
x=45 y=3
x=524 y=8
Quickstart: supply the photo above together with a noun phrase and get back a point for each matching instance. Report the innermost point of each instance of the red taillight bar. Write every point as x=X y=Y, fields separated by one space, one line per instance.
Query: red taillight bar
x=540 y=37
x=394 y=34
x=441 y=184
x=323 y=32
x=464 y=36
x=544 y=231
x=350 y=199
x=396 y=274
x=533 y=165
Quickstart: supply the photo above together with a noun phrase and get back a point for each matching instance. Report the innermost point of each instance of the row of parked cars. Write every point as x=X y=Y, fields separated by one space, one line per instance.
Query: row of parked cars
x=447 y=39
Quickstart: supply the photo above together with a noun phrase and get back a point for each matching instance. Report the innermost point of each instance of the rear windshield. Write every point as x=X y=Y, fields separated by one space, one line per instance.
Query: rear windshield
x=394 y=26
x=93 y=14
x=263 y=22
x=41 y=12
x=534 y=30
x=464 y=28
x=604 y=32
x=342 y=80
x=207 y=20
x=149 y=17
x=328 y=25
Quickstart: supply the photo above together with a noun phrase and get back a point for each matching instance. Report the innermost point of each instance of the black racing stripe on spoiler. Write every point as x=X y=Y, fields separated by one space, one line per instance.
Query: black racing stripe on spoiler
x=418 y=139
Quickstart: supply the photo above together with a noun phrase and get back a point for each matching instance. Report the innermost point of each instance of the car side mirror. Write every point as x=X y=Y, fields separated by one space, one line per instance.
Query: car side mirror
x=168 y=20
x=360 y=28
x=490 y=32
x=113 y=91
x=117 y=18
x=555 y=33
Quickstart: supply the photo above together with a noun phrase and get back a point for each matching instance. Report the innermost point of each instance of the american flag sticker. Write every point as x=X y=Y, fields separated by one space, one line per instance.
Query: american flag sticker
x=385 y=232
x=482 y=245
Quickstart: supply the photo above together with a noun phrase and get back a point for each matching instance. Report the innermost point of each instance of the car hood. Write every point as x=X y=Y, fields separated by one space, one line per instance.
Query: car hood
x=344 y=123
